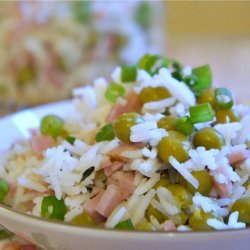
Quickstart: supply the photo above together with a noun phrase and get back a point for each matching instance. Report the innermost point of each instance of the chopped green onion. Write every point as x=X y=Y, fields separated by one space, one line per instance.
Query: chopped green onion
x=106 y=133
x=4 y=189
x=156 y=62
x=204 y=78
x=52 y=208
x=113 y=91
x=177 y=65
x=191 y=80
x=126 y=224
x=82 y=10
x=52 y=125
x=143 y=14
x=70 y=139
x=177 y=75
x=184 y=125
x=201 y=113
x=224 y=98
x=5 y=234
x=152 y=63
x=129 y=73
x=143 y=61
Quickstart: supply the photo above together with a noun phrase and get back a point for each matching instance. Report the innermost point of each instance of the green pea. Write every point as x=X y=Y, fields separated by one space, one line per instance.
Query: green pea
x=52 y=125
x=163 y=182
x=205 y=183
x=174 y=144
x=181 y=194
x=145 y=225
x=208 y=138
x=83 y=219
x=243 y=206
x=151 y=211
x=223 y=114
x=123 y=123
x=151 y=94
x=198 y=220
x=168 y=122
x=207 y=96
x=180 y=219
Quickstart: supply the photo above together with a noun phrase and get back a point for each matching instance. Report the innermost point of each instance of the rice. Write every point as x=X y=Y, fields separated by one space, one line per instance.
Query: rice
x=167 y=201
x=114 y=180
x=159 y=105
x=145 y=186
x=184 y=172
x=232 y=223
x=116 y=216
x=140 y=211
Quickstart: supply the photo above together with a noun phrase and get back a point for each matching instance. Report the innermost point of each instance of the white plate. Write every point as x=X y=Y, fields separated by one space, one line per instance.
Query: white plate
x=59 y=236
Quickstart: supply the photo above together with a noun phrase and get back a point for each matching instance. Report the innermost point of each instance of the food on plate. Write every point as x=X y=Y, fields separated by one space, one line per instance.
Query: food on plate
x=155 y=148
x=64 y=44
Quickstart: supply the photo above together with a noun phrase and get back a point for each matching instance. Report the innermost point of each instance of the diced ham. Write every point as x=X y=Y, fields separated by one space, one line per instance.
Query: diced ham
x=14 y=245
x=237 y=157
x=90 y=207
x=168 y=226
x=28 y=247
x=126 y=183
x=109 y=200
x=223 y=189
x=133 y=105
x=105 y=163
x=116 y=165
x=12 y=189
x=40 y=143
x=116 y=153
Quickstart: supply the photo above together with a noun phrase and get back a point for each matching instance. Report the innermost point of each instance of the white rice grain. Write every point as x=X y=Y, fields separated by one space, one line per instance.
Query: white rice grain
x=132 y=154
x=145 y=186
x=116 y=216
x=149 y=153
x=73 y=213
x=159 y=105
x=109 y=146
x=167 y=201
x=184 y=172
x=140 y=211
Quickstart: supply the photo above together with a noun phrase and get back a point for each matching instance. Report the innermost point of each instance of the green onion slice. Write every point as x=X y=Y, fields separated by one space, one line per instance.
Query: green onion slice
x=106 y=133
x=224 y=98
x=129 y=73
x=126 y=225
x=70 y=139
x=204 y=78
x=184 y=125
x=191 y=80
x=201 y=113
x=156 y=62
x=177 y=75
x=143 y=61
x=52 y=125
x=113 y=91
x=152 y=63
x=52 y=208
x=4 y=189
